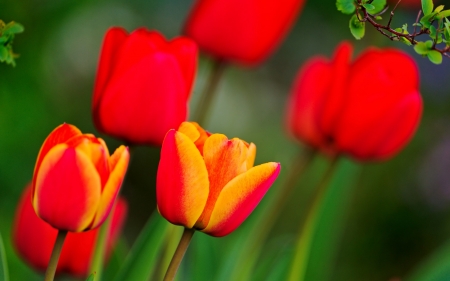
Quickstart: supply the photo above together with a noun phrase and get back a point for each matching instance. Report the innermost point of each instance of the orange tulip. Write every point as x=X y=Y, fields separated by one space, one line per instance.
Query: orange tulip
x=76 y=181
x=33 y=239
x=208 y=182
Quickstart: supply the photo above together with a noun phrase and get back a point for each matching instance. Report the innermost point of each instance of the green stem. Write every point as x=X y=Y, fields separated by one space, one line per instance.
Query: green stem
x=98 y=257
x=209 y=93
x=179 y=254
x=303 y=247
x=53 y=263
x=265 y=220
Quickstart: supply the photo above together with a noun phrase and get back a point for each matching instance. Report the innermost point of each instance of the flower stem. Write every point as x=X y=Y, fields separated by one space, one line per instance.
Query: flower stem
x=301 y=257
x=209 y=93
x=98 y=257
x=179 y=254
x=53 y=263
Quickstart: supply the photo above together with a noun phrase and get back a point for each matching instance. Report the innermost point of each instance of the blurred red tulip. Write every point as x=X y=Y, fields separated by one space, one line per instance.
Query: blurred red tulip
x=368 y=108
x=143 y=84
x=76 y=181
x=244 y=31
x=208 y=182
x=33 y=239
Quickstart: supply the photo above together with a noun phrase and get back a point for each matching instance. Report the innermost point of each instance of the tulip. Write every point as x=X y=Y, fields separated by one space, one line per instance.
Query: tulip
x=244 y=31
x=368 y=108
x=76 y=181
x=143 y=85
x=207 y=182
x=33 y=239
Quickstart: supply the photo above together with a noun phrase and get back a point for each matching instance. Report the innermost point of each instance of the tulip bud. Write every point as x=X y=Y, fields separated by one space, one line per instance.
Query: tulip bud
x=33 y=239
x=143 y=85
x=208 y=182
x=244 y=31
x=76 y=181
x=368 y=108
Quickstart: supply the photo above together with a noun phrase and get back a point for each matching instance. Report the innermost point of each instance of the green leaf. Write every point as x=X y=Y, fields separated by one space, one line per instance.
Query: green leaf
x=12 y=28
x=435 y=57
x=427 y=7
x=379 y=6
x=443 y=14
x=141 y=262
x=439 y=8
x=91 y=277
x=346 y=6
x=421 y=48
x=378 y=18
x=4 y=275
x=436 y=267
x=427 y=20
x=357 y=28
x=369 y=7
x=3 y=53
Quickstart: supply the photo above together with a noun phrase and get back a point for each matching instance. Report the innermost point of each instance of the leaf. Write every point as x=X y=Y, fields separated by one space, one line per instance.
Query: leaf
x=378 y=6
x=369 y=7
x=141 y=261
x=4 y=275
x=436 y=267
x=346 y=6
x=443 y=14
x=427 y=19
x=435 y=57
x=91 y=277
x=357 y=28
x=427 y=7
x=12 y=28
x=439 y=8
x=421 y=48
x=3 y=53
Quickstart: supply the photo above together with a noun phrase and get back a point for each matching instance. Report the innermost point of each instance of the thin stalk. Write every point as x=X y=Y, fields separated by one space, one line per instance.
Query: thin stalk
x=266 y=219
x=53 y=263
x=210 y=91
x=179 y=254
x=303 y=247
x=98 y=258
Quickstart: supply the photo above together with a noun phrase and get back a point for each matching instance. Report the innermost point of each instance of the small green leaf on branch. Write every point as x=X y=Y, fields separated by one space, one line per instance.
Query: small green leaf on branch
x=357 y=28
x=378 y=6
x=427 y=6
x=346 y=6
x=421 y=48
x=435 y=57
x=369 y=7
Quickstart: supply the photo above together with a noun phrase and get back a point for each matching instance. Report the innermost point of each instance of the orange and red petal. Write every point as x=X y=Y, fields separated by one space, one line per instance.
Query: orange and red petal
x=224 y=159
x=182 y=184
x=119 y=164
x=67 y=190
x=240 y=197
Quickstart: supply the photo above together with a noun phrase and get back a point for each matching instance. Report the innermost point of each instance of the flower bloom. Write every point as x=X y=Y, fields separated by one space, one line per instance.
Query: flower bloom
x=33 y=239
x=368 y=108
x=143 y=85
x=208 y=182
x=245 y=31
x=76 y=181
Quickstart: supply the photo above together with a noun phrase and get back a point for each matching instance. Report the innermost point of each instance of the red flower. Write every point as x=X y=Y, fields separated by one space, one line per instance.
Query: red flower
x=245 y=31
x=368 y=108
x=33 y=239
x=76 y=181
x=143 y=84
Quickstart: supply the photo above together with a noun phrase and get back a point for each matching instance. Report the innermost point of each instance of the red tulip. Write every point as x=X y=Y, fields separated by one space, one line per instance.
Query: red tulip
x=76 y=181
x=208 y=182
x=143 y=84
x=368 y=108
x=245 y=31
x=33 y=239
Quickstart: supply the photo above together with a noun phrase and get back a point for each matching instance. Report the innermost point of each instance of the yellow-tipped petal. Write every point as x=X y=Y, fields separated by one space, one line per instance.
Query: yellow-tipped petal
x=251 y=155
x=119 y=164
x=239 y=197
x=182 y=184
x=190 y=130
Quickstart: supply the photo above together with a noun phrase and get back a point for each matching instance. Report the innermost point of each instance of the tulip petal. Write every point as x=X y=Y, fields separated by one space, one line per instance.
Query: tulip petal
x=240 y=197
x=158 y=104
x=251 y=155
x=67 y=190
x=182 y=184
x=114 y=38
x=119 y=164
x=61 y=134
x=224 y=159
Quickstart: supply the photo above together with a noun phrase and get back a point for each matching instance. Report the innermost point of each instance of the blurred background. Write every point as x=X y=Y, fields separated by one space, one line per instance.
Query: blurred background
x=381 y=221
